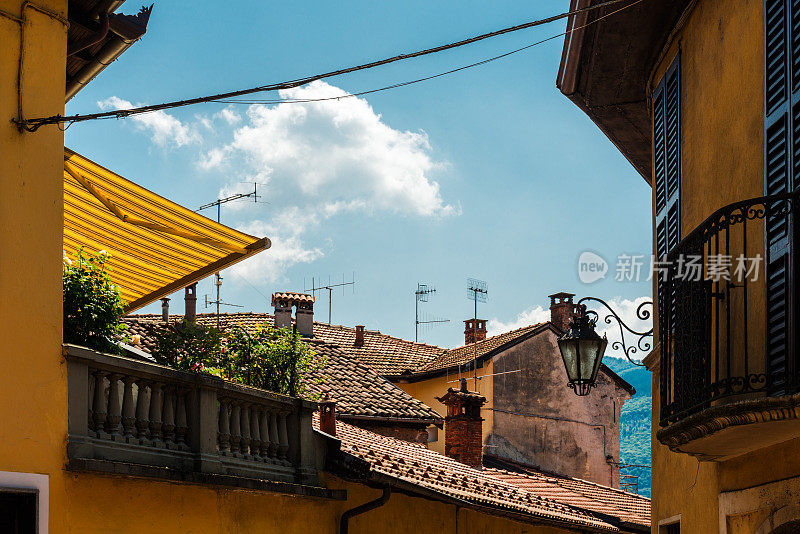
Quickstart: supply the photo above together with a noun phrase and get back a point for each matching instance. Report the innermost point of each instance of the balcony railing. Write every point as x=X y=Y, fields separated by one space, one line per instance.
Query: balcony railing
x=714 y=328
x=136 y=412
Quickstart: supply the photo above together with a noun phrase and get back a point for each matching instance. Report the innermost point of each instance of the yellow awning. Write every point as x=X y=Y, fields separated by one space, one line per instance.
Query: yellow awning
x=156 y=246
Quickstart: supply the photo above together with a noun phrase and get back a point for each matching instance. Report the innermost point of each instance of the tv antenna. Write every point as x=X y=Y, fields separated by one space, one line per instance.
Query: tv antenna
x=218 y=203
x=477 y=292
x=330 y=287
x=421 y=295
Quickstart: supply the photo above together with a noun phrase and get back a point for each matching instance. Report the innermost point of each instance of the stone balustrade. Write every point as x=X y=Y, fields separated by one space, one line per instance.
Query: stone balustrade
x=137 y=412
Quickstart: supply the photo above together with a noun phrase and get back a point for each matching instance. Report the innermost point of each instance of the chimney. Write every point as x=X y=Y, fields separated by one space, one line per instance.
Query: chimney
x=304 y=304
x=305 y=316
x=562 y=310
x=474 y=330
x=463 y=425
x=327 y=415
x=190 y=298
x=165 y=309
x=359 y=335
x=283 y=310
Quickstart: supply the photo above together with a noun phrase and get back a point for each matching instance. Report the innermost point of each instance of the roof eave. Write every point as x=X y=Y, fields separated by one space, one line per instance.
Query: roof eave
x=605 y=69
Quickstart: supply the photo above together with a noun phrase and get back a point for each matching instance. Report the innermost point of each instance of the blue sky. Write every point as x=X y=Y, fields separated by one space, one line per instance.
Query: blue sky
x=488 y=173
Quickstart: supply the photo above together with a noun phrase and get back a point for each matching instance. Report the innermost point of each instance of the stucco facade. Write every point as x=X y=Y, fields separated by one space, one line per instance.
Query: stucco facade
x=532 y=417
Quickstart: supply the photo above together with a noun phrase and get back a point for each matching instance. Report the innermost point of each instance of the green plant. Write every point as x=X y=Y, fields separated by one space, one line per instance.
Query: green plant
x=275 y=359
x=187 y=346
x=93 y=306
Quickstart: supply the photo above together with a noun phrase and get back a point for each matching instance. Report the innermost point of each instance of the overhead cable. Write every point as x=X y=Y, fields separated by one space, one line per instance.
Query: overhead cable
x=33 y=124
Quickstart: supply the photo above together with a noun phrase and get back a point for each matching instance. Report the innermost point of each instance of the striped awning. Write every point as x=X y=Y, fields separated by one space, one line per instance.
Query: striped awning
x=156 y=246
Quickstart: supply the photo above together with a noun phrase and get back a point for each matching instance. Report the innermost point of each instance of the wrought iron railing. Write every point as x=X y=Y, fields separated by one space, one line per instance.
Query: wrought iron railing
x=135 y=412
x=712 y=324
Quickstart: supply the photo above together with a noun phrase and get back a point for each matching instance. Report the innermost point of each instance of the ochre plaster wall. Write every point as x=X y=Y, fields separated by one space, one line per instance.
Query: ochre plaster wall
x=521 y=417
x=33 y=386
x=427 y=391
x=722 y=67
x=539 y=420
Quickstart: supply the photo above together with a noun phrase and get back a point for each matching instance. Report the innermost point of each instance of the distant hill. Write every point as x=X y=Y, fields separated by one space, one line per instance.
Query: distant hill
x=636 y=417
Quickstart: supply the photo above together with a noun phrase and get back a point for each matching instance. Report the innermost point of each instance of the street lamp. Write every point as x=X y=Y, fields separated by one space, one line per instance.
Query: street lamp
x=582 y=348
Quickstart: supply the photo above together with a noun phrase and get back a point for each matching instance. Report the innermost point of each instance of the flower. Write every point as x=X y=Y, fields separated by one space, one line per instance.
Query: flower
x=136 y=339
x=66 y=259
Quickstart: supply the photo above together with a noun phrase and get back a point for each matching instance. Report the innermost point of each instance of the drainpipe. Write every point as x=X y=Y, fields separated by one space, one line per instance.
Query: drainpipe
x=366 y=507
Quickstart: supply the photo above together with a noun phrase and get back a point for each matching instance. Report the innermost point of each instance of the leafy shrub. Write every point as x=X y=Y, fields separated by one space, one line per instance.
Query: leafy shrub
x=275 y=359
x=187 y=346
x=93 y=306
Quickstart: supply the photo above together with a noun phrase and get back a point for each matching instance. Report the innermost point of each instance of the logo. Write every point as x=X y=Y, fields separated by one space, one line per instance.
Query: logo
x=591 y=267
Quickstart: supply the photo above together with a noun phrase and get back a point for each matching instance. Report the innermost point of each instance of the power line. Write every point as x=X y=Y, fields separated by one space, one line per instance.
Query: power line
x=426 y=78
x=32 y=125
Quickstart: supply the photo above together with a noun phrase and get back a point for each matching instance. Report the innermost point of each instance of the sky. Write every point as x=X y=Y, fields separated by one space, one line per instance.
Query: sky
x=489 y=173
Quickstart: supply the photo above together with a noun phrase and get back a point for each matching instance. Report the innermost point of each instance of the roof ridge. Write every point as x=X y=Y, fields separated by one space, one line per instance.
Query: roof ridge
x=530 y=326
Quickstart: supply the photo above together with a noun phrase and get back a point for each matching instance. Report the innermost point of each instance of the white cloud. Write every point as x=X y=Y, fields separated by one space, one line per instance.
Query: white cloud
x=228 y=115
x=526 y=318
x=317 y=161
x=336 y=154
x=286 y=251
x=625 y=308
x=164 y=128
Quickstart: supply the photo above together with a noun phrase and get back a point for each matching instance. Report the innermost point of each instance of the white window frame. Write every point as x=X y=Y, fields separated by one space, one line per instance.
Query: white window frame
x=35 y=483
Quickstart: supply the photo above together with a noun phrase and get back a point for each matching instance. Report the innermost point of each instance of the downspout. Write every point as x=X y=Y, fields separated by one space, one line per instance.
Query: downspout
x=361 y=509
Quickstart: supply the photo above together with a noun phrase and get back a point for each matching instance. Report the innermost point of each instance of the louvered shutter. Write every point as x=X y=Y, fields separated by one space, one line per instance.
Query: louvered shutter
x=667 y=159
x=781 y=175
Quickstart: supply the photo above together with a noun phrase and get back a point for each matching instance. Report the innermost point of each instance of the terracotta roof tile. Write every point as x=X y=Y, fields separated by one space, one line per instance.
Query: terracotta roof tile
x=415 y=464
x=359 y=391
x=466 y=353
x=628 y=507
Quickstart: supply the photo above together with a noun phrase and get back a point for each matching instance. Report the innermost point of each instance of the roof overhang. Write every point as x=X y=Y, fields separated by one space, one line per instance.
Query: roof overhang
x=155 y=246
x=606 y=64
x=96 y=37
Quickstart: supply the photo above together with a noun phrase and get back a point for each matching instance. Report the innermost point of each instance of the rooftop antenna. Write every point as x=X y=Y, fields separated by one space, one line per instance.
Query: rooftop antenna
x=330 y=287
x=218 y=203
x=477 y=292
x=421 y=295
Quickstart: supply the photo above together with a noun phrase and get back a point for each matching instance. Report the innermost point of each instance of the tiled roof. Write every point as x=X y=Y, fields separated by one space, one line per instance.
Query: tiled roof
x=416 y=466
x=359 y=391
x=583 y=494
x=466 y=353
x=292 y=297
x=386 y=355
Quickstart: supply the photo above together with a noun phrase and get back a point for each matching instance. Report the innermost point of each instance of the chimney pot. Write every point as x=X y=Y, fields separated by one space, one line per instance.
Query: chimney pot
x=562 y=310
x=165 y=309
x=474 y=330
x=359 y=335
x=304 y=319
x=463 y=425
x=190 y=299
x=327 y=415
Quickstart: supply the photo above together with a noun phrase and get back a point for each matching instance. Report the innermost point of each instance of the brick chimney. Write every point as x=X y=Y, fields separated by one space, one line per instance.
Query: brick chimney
x=562 y=310
x=190 y=299
x=165 y=309
x=463 y=425
x=283 y=311
x=304 y=305
x=359 y=335
x=327 y=415
x=474 y=330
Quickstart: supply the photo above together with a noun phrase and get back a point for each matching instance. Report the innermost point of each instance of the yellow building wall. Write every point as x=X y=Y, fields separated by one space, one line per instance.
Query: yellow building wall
x=427 y=391
x=33 y=385
x=721 y=47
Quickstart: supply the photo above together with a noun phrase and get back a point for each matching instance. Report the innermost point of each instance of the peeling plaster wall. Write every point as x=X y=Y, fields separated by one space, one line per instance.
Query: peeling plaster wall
x=538 y=420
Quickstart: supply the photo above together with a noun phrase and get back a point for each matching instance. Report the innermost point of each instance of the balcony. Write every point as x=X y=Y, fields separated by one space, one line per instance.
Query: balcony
x=729 y=370
x=133 y=417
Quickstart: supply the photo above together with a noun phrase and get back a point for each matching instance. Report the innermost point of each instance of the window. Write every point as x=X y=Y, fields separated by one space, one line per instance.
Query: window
x=670 y=526
x=781 y=176
x=433 y=433
x=667 y=158
x=18 y=514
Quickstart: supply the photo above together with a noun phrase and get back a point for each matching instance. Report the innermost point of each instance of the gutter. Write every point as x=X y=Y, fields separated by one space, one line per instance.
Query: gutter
x=364 y=508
